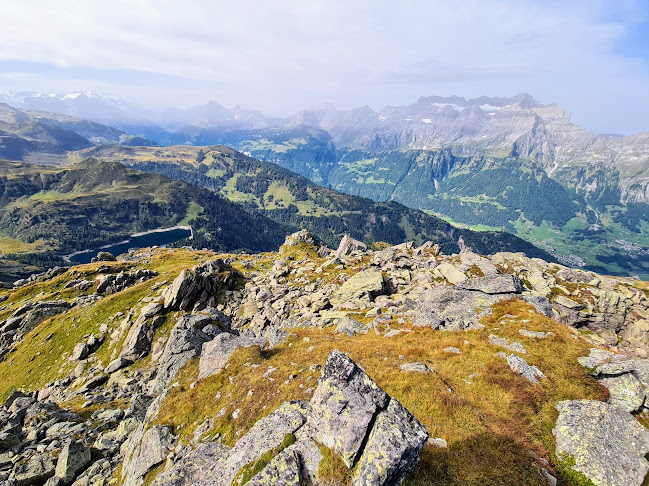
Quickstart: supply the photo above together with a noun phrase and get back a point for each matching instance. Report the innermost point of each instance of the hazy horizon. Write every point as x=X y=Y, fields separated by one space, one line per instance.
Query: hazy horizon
x=589 y=57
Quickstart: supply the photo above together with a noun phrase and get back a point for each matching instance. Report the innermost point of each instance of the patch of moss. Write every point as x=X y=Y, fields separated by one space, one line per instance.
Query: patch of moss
x=247 y=472
x=564 y=465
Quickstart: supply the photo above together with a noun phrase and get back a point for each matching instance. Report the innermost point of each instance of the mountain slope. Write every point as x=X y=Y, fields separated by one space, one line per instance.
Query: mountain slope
x=288 y=198
x=511 y=163
x=48 y=212
x=44 y=137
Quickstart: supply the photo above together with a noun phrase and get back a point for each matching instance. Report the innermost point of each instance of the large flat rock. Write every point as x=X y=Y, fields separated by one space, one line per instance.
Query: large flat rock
x=343 y=406
x=607 y=444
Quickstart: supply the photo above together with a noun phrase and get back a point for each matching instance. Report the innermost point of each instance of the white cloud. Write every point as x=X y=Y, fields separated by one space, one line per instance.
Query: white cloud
x=284 y=54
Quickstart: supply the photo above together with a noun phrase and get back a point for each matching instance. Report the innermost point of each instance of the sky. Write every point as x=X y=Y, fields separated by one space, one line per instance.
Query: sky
x=591 y=57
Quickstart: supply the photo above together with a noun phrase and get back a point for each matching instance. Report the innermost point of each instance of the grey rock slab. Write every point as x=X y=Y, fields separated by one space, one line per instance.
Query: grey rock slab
x=451 y=273
x=151 y=309
x=282 y=470
x=452 y=350
x=80 y=351
x=392 y=449
x=535 y=334
x=153 y=448
x=302 y=236
x=343 y=406
x=520 y=366
x=117 y=365
x=8 y=440
x=604 y=362
x=502 y=342
x=568 y=303
x=310 y=456
x=350 y=326
x=268 y=433
x=185 y=342
x=497 y=284
x=138 y=340
x=575 y=276
x=416 y=367
x=364 y=285
x=453 y=309
x=193 y=285
x=36 y=470
x=607 y=444
x=625 y=391
x=215 y=354
x=195 y=467
x=73 y=459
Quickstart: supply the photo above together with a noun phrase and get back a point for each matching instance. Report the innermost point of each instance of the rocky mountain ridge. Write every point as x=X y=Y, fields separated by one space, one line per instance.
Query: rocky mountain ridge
x=180 y=367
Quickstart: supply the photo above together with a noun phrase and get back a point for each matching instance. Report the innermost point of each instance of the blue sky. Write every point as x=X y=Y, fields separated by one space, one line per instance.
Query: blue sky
x=590 y=57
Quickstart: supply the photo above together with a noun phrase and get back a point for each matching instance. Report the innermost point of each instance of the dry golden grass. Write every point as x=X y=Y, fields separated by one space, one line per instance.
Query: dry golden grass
x=492 y=424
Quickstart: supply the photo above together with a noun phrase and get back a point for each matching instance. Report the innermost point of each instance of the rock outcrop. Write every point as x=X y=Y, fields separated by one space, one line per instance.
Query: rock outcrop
x=606 y=444
x=626 y=378
x=348 y=413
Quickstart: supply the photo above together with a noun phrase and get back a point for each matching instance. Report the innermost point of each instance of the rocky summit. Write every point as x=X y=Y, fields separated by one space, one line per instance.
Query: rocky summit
x=363 y=365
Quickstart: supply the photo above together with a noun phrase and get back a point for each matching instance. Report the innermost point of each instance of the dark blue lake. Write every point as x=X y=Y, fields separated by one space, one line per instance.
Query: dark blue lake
x=152 y=238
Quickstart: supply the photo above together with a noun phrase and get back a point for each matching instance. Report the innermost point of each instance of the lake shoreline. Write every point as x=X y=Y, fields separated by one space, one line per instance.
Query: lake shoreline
x=68 y=258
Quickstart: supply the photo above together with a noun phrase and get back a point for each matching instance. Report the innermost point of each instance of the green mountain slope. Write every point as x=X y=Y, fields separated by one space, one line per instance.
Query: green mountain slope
x=46 y=212
x=506 y=163
x=288 y=198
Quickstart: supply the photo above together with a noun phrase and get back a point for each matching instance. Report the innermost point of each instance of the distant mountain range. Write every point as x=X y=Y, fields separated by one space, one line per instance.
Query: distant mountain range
x=488 y=163
x=45 y=136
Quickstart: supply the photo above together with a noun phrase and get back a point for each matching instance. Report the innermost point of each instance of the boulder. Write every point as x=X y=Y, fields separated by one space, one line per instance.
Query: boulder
x=104 y=256
x=392 y=448
x=351 y=326
x=343 y=406
x=111 y=284
x=80 y=351
x=268 y=433
x=153 y=448
x=451 y=273
x=535 y=334
x=36 y=470
x=8 y=440
x=416 y=367
x=195 y=467
x=364 y=286
x=117 y=365
x=625 y=391
x=73 y=459
x=215 y=354
x=568 y=303
x=302 y=236
x=196 y=285
x=349 y=245
x=575 y=276
x=497 y=284
x=514 y=346
x=453 y=309
x=607 y=444
x=604 y=362
x=138 y=340
x=520 y=366
x=151 y=309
